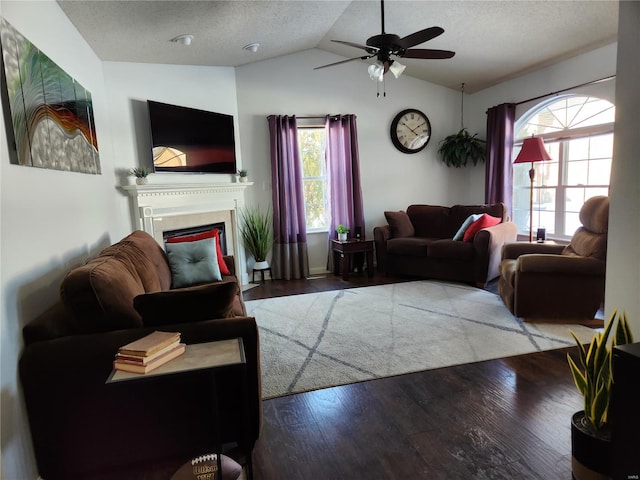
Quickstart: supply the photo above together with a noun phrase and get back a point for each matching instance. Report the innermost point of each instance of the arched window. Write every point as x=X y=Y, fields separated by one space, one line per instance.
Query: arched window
x=578 y=134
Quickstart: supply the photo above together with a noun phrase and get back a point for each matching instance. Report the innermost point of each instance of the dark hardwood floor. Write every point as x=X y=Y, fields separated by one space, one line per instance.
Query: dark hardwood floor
x=317 y=283
x=499 y=419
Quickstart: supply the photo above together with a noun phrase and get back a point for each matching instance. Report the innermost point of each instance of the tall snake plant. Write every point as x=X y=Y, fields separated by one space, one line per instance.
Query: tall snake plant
x=595 y=375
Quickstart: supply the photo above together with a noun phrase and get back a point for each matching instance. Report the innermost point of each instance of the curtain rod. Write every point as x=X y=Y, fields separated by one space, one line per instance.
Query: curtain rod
x=335 y=115
x=593 y=82
x=323 y=115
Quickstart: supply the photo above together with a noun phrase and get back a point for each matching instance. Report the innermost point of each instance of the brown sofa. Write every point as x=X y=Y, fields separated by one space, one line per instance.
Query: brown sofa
x=420 y=243
x=551 y=282
x=81 y=426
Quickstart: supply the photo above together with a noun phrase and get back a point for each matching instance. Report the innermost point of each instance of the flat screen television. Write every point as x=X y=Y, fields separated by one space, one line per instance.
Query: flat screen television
x=189 y=140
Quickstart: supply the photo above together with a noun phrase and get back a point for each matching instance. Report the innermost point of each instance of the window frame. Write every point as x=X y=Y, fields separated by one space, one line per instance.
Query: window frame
x=563 y=137
x=315 y=124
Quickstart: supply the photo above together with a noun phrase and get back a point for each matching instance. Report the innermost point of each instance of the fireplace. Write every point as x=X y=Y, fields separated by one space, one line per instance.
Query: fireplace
x=160 y=209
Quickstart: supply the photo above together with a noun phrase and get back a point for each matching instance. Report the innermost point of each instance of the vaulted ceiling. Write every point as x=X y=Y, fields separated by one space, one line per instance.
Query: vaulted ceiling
x=493 y=40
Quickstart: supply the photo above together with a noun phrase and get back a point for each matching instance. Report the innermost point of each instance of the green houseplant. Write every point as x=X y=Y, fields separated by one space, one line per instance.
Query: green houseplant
x=140 y=173
x=342 y=232
x=458 y=149
x=257 y=234
x=243 y=175
x=593 y=377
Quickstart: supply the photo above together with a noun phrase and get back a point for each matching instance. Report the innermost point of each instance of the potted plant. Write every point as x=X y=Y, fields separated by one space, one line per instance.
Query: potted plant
x=590 y=431
x=342 y=232
x=458 y=149
x=141 y=174
x=243 y=175
x=257 y=235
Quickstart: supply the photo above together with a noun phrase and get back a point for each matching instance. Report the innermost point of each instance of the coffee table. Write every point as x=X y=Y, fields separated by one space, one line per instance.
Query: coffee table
x=208 y=358
x=344 y=249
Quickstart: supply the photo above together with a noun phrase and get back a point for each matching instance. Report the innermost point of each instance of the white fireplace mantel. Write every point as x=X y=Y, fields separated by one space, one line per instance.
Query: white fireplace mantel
x=155 y=205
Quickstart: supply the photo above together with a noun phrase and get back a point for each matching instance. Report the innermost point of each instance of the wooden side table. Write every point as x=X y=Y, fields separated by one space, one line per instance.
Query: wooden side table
x=344 y=249
x=208 y=358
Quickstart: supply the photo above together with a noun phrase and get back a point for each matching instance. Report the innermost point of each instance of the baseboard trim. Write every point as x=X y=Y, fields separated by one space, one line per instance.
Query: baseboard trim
x=592 y=323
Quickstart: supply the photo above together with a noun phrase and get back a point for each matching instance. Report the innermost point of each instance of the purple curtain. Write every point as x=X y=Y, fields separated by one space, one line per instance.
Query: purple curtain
x=290 y=258
x=499 y=169
x=343 y=172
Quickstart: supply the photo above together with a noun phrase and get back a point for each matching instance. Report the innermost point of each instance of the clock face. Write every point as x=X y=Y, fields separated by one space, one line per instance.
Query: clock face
x=410 y=131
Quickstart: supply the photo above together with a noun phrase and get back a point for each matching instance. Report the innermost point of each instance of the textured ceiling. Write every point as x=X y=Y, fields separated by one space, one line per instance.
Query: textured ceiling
x=493 y=40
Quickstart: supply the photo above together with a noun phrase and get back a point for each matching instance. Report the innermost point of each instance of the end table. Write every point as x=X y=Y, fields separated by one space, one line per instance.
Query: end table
x=343 y=249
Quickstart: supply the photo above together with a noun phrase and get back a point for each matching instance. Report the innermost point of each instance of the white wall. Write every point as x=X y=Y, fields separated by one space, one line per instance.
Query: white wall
x=130 y=85
x=623 y=257
x=51 y=220
x=391 y=180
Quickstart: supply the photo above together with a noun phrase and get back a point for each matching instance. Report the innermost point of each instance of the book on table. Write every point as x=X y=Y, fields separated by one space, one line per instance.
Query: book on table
x=132 y=366
x=149 y=352
x=150 y=344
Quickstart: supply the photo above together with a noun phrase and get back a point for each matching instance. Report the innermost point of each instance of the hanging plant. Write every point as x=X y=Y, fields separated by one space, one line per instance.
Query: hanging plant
x=458 y=149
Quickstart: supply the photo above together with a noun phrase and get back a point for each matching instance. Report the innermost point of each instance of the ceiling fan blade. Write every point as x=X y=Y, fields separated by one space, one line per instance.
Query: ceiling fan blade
x=343 y=61
x=427 y=53
x=420 y=37
x=367 y=48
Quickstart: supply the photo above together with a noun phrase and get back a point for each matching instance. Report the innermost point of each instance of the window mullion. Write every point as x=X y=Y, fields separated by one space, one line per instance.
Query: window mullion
x=561 y=193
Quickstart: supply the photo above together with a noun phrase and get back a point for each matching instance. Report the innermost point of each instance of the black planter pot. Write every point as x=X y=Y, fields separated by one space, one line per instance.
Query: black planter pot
x=590 y=450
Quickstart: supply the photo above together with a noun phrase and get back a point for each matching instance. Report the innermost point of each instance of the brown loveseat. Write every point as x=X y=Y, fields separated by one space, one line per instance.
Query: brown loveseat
x=81 y=426
x=420 y=243
x=551 y=282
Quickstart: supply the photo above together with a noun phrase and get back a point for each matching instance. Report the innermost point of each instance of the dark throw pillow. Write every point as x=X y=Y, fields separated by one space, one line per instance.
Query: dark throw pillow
x=193 y=262
x=400 y=224
x=182 y=305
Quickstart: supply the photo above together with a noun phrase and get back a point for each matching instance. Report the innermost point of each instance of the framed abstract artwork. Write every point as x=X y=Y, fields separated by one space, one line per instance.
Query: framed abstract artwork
x=51 y=113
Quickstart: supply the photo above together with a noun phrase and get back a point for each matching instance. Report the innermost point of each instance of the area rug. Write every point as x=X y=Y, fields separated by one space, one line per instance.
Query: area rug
x=325 y=339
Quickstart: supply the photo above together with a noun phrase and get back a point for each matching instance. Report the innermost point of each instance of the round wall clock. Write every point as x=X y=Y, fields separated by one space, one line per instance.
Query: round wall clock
x=410 y=131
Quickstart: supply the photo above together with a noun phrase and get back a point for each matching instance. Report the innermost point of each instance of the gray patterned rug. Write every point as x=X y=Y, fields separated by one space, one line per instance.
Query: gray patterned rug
x=325 y=339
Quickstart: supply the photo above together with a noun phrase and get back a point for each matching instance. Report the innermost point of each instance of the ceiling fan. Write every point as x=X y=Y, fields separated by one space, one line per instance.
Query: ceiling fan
x=386 y=45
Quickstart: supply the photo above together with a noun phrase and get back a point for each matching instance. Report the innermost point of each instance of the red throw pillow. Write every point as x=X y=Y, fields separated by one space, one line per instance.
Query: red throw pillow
x=483 y=222
x=215 y=233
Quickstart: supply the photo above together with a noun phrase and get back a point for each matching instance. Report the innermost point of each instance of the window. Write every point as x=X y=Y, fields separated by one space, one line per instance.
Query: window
x=311 y=143
x=578 y=134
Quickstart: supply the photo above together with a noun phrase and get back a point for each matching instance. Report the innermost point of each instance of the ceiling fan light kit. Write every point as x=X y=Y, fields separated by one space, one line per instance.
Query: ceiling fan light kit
x=376 y=71
x=386 y=45
x=397 y=68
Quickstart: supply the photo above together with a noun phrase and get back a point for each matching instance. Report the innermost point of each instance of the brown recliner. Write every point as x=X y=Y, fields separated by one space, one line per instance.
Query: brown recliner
x=557 y=282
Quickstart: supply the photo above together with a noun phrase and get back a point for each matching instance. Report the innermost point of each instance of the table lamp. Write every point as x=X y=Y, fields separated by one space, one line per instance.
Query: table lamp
x=532 y=151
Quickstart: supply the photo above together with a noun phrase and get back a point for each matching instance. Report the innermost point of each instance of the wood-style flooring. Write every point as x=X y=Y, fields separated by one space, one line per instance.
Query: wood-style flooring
x=499 y=419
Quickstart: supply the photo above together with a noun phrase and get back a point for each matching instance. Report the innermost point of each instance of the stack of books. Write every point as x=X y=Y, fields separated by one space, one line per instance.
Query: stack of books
x=150 y=352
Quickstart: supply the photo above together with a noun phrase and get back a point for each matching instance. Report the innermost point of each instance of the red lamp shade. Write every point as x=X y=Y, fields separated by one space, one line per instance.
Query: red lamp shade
x=532 y=151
